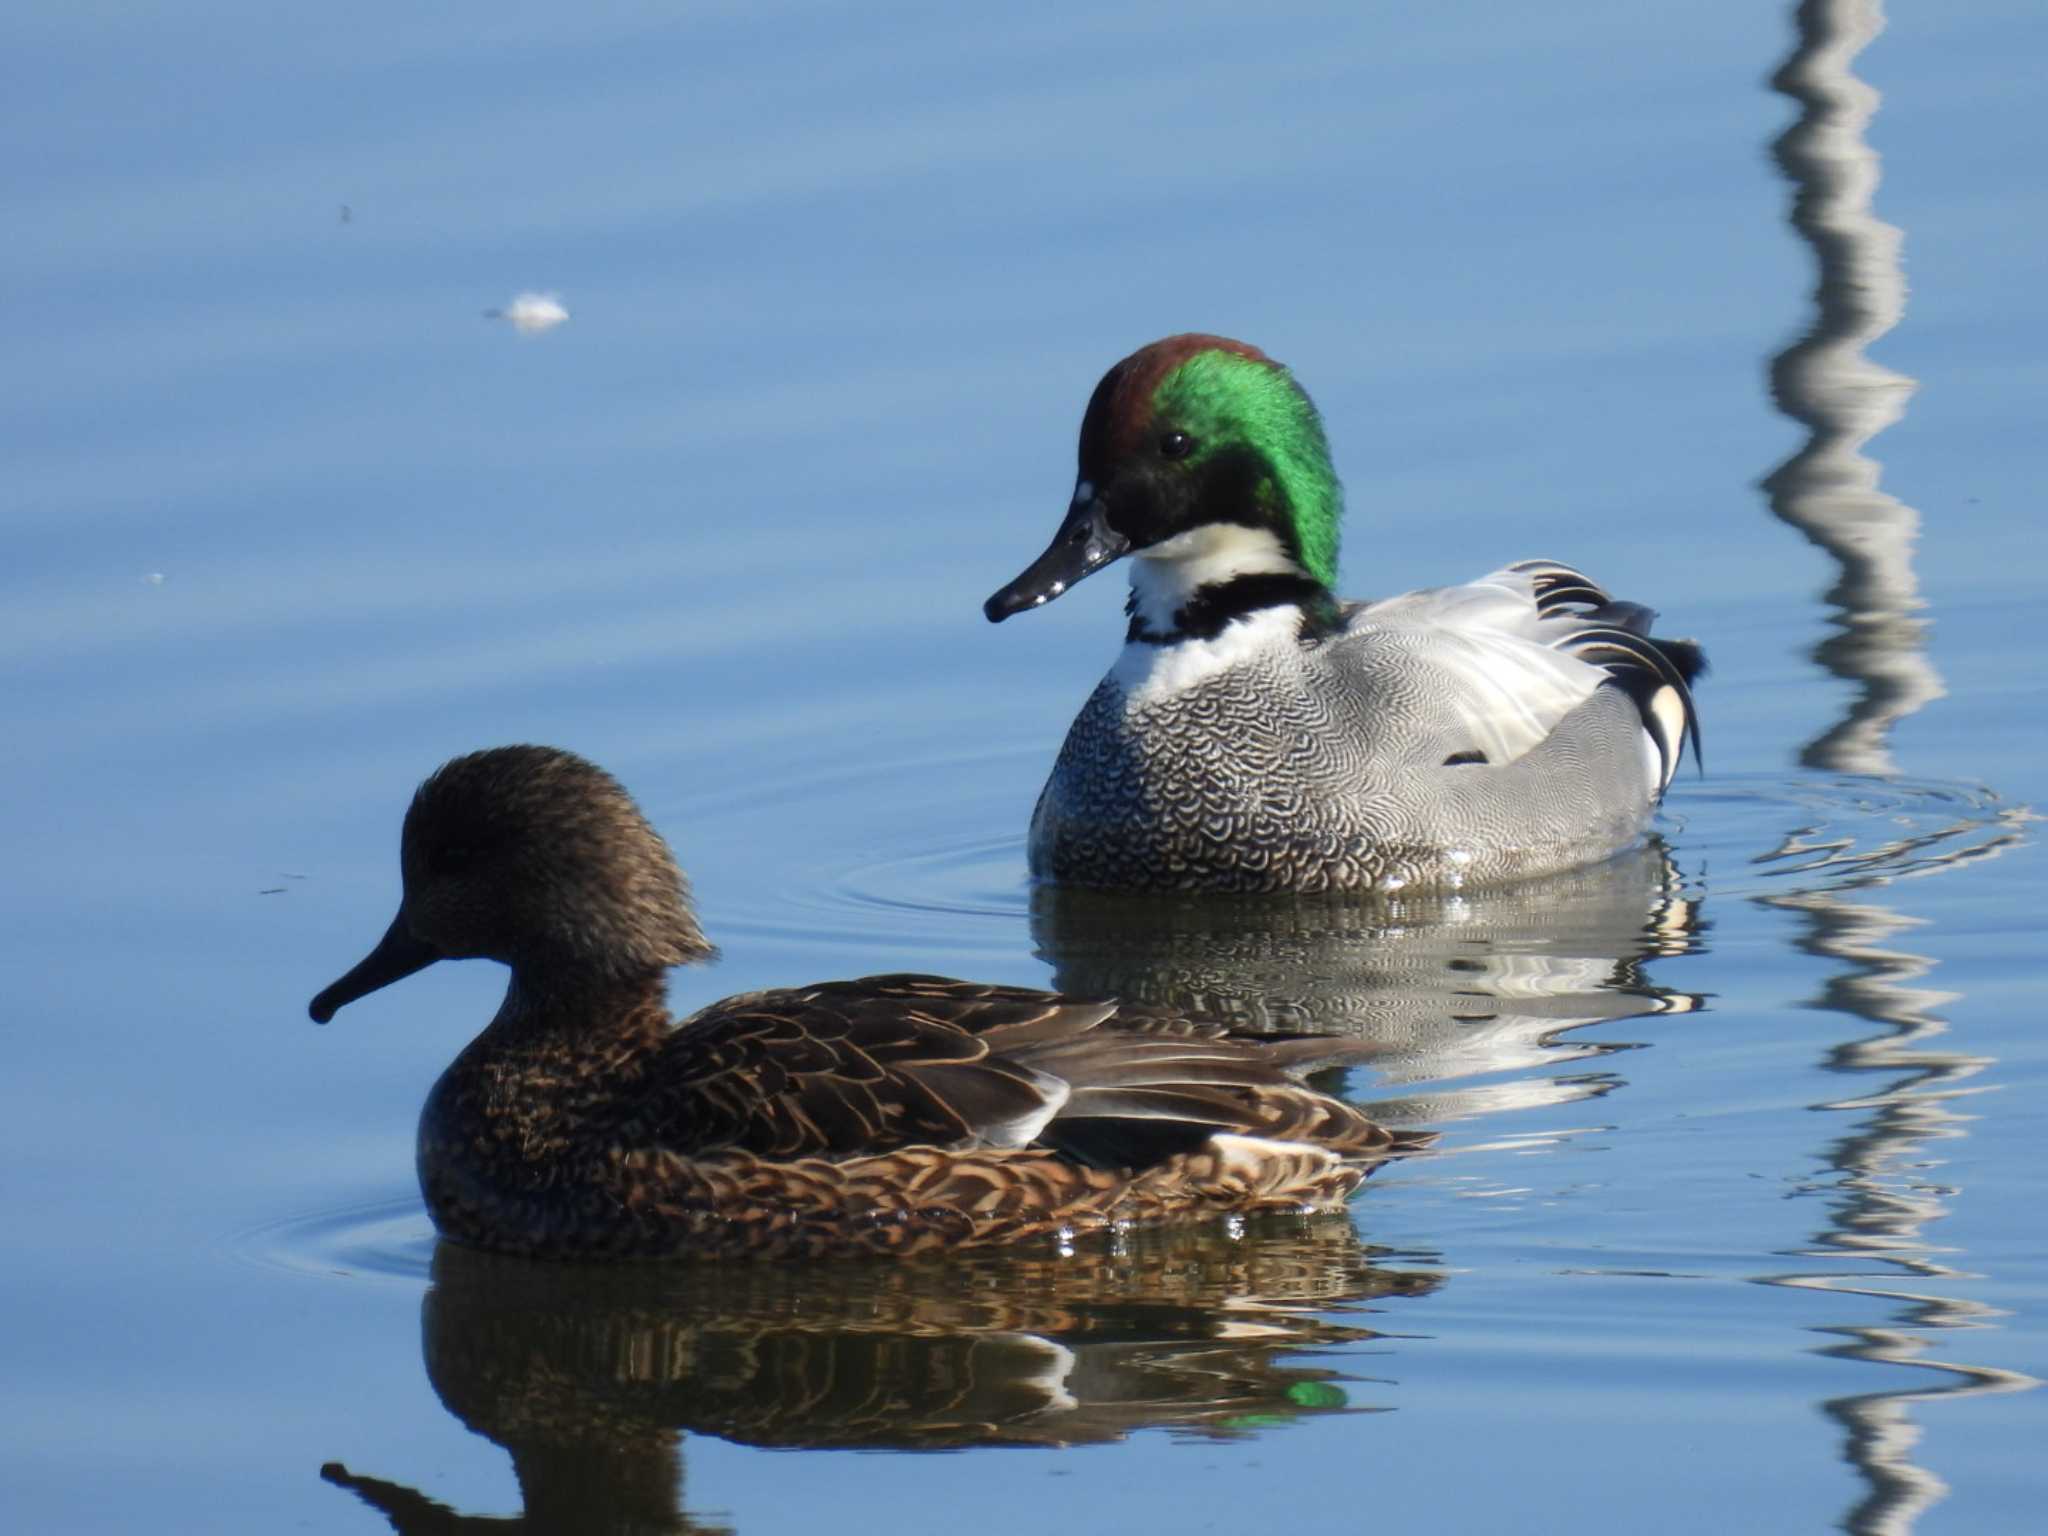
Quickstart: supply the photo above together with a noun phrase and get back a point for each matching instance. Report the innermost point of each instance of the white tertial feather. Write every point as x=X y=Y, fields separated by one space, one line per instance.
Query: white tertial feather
x=1667 y=740
x=1024 y=1129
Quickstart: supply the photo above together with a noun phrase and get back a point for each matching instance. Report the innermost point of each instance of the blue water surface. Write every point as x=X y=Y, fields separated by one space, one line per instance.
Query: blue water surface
x=1736 y=1221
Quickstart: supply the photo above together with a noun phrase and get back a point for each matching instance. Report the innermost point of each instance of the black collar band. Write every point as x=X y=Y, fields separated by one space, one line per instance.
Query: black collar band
x=1205 y=615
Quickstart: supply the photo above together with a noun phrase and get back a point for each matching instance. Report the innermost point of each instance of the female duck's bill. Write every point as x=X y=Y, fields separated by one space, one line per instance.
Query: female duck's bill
x=885 y=1114
x=397 y=955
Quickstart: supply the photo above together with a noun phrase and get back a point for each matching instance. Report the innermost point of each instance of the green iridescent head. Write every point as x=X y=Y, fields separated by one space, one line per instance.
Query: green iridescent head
x=1193 y=432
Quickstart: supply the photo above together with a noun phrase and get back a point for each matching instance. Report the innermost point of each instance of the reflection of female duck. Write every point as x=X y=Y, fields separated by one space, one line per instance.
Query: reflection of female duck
x=588 y=1374
x=884 y=1115
x=1432 y=986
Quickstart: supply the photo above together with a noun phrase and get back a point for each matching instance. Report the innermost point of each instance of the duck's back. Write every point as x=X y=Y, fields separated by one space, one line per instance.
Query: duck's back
x=1437 y=737
x=887 y=1114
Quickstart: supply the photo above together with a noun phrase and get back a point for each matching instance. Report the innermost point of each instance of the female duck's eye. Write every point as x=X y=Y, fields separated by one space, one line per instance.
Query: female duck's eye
x=1176 y=445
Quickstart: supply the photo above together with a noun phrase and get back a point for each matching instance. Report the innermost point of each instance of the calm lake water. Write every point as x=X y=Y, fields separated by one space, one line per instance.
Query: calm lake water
x=1737 y=1220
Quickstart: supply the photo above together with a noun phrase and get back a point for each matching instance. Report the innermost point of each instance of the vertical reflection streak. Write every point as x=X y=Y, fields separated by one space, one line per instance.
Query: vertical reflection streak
x=1881 y=1194
x=1884 y=1195
x=1829 y=490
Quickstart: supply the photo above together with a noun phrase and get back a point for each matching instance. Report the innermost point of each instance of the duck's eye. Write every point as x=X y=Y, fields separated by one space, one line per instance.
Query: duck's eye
x=1176 y=445
x=451 y=858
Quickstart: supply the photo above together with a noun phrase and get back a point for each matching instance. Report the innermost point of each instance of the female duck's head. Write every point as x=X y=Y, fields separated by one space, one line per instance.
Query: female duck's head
x=537 y=858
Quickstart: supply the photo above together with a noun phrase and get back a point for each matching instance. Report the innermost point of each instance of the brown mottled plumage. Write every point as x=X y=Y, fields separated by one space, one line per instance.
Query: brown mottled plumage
x=889 y=1114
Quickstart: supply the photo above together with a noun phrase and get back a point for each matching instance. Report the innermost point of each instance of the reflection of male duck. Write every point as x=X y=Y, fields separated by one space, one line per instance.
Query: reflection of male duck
x=589 y=1375
x=1439 y=985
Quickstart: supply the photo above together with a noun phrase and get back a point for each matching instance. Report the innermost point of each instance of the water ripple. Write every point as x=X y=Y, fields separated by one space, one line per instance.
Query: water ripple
x=1817 y=831
x=388 y=1239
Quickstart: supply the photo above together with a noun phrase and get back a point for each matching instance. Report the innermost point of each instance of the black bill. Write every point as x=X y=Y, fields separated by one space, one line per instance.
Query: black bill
x=1084 y=545
x=397 y=955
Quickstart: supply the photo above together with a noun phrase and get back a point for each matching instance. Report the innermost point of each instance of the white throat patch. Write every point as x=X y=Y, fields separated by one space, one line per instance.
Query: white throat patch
x=1165 y=576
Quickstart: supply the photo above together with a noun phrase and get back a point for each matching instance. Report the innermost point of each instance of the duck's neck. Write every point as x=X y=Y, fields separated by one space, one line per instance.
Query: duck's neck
x=592 y=1010
x=562 y=1048
x=1194 y=585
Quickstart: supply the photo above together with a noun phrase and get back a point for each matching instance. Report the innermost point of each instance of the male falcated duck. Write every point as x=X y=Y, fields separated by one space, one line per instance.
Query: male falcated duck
x=1258 y=734
x=888 y=1114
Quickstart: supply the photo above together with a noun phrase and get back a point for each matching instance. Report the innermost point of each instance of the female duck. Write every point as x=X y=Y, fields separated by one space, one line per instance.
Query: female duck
x=1258 y=734
x=891 y=1114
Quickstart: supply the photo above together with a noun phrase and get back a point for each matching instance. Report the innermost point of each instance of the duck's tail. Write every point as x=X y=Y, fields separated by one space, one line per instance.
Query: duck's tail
x=1657 y=673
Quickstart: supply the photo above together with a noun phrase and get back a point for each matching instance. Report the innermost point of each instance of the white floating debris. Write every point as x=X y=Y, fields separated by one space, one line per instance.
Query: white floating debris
x=532 y=313
x=155 y=578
